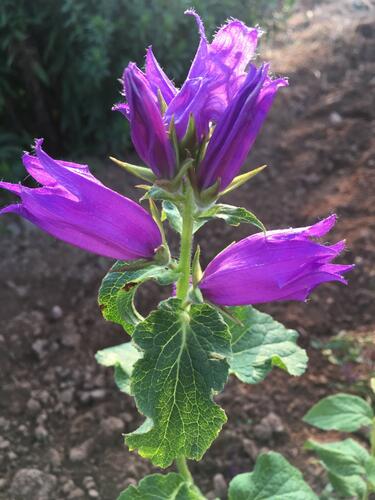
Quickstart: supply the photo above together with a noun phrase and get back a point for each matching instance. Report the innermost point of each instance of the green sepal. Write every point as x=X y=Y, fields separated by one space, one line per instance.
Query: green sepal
x=273 y=478
x=345 y=462
x=340 y=412
x=161 y=190
x=122 y=357
x=183 y=365
x=231 y=215
x=118 y=288
x=189 y=141
x=259 y=343
x=141 y=172
x=170 y=486
x=162 y=103
x=241 y=179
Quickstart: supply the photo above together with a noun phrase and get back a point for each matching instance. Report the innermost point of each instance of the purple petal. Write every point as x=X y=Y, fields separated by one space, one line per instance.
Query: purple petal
x=12 y=188
x=123 y=108
x=80 y=210
x=223 y=63
x=281 y=265
x=148 y=131
x=157 y=79
x=237 y=129
x=189 y=101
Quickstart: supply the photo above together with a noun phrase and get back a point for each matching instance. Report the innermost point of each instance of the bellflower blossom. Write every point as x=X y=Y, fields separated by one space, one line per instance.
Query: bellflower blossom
x=75 y=207
x=225 y=94
x=279 y=265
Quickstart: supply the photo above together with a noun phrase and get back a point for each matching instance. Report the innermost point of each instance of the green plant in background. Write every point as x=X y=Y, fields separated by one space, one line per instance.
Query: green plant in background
x=350 y=467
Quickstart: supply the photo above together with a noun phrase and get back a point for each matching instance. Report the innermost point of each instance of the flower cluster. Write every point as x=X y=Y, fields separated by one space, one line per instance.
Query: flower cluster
x=213 y=119
x=224 y=98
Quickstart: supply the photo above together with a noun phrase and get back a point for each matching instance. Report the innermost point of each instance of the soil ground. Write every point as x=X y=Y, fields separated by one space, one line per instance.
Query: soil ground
x=62 y=414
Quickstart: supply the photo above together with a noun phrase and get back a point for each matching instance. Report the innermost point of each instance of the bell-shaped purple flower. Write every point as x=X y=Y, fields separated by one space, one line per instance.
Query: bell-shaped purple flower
x=238 y=128
x=75 y=207
x=278 y=265
x=148 y=129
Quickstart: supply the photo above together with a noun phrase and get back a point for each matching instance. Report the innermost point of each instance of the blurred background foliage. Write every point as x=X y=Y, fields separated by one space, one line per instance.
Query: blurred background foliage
x=61 y=60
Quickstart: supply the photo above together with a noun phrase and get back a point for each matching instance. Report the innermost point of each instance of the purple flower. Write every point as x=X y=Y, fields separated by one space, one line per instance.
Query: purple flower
x=223 y=90
x=279 y=265
x=237 y=129
x=148 y=130
x=74 y=206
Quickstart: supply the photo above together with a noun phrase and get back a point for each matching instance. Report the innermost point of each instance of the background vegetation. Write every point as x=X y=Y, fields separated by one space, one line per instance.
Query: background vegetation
x=62 y=59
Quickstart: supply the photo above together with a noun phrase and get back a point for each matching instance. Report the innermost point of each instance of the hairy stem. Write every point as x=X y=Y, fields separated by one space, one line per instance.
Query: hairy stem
x=183 y=469
x=182 y=291
x=183 y=282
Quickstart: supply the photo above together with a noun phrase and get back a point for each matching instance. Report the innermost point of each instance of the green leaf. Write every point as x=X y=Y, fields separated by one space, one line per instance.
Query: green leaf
x=348 y=486
x=259 y=343
x=173 y=215
x=272 y=479
x=116 y=293
x=183 y=365
x=341 y=412
x=161 y=487
x=122 y=357
x=231 y=215
x=370 y=471
x=343 y=458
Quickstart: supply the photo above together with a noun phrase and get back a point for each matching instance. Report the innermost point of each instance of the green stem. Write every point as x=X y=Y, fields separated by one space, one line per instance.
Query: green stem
x=182 y=290
x=183 y=282
x=183 y=469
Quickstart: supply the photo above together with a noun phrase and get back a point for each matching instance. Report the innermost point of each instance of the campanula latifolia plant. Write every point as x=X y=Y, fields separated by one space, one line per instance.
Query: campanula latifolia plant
x=193 y=141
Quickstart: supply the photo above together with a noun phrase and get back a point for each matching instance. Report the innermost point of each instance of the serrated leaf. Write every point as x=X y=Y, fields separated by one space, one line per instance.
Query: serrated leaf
x=340 y=412
x=272 y=479
x=259 y=342
x=171 y=486
x=183 y=365
x=231 y=215
x=117 y=290
x=343 y=458
x=123 y=358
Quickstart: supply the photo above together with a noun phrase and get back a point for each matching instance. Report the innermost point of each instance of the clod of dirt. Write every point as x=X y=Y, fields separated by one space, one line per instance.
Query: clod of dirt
x=251 y=448
x=81 y=452
x=220 y=486
x=111 y=429
x=34 y=484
